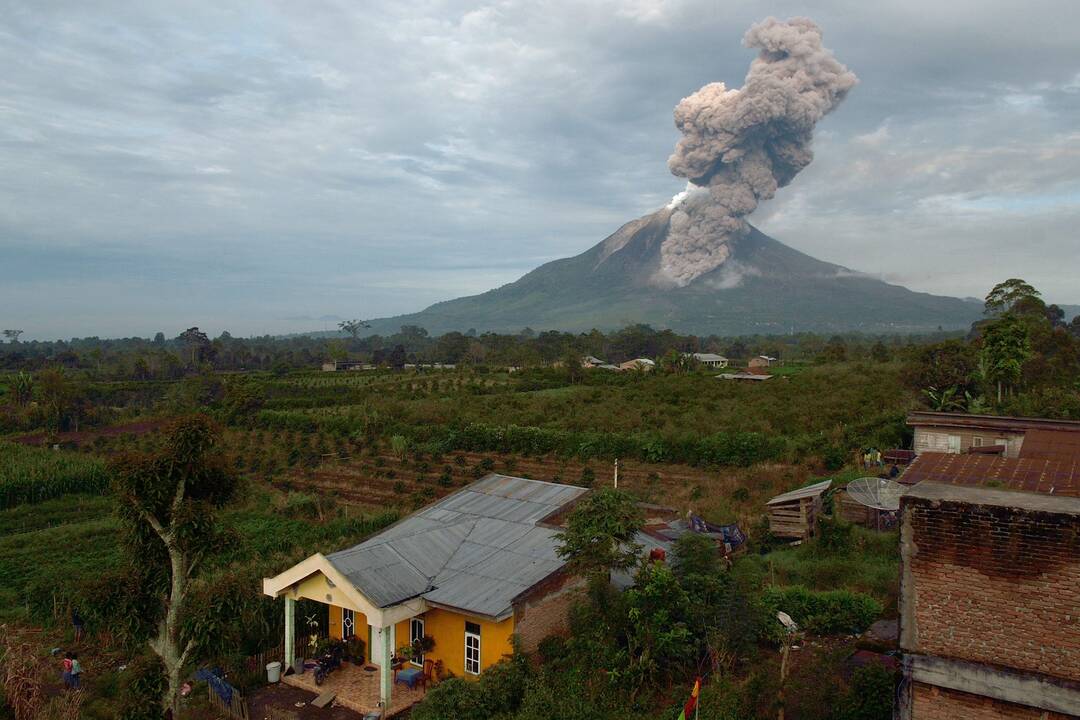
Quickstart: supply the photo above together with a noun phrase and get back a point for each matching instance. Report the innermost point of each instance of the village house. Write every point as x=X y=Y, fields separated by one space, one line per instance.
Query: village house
x=470 y=572
x=990 y=583
x=644 y=364
x=342 y=365
x=761 y=361
x=960 y=433
x=711 y=360
x=592 y=362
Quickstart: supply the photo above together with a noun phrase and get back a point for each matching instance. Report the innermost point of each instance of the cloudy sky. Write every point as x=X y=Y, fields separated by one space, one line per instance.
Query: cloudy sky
x=271 y=167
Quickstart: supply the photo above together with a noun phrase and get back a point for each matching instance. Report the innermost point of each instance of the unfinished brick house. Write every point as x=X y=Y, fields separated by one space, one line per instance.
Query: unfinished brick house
x=990 y=599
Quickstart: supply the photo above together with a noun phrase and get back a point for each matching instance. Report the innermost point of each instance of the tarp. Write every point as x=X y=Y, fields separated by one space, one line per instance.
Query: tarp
x=223 y=689
x=732 y=535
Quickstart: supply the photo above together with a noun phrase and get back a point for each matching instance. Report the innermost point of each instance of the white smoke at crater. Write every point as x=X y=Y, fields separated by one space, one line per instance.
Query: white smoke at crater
x=740 y=145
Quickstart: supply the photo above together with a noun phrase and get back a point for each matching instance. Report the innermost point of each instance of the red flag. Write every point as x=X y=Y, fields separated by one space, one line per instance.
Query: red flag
x=688 y=708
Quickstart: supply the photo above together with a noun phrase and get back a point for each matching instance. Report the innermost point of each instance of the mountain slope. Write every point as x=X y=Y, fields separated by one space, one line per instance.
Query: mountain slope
x=764 y=287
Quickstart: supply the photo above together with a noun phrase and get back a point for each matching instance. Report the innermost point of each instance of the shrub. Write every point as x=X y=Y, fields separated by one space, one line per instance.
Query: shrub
x=827 y=612
x=873 y=688
x=588 y=477
x=835 y=535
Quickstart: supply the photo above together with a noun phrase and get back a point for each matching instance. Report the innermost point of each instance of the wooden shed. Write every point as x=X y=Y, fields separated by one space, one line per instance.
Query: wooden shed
x=794 y=514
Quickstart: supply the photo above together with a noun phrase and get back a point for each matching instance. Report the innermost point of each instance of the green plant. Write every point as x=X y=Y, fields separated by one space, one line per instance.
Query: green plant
x=820 y=612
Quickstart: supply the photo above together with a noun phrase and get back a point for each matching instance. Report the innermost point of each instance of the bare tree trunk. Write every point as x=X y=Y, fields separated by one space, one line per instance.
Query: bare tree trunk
x=167 y=643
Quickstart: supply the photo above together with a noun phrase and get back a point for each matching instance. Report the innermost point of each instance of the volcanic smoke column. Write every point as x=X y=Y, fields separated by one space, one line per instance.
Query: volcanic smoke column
x=741 y=145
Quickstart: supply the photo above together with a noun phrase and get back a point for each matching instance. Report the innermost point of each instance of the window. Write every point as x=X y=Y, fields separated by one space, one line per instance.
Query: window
x=348 y=623
x=472 y=648
x=954 y=444
x=976 y=441
x=416 y=632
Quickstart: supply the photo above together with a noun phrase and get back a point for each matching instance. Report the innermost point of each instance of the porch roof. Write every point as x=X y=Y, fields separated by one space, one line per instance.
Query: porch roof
x=475 y=550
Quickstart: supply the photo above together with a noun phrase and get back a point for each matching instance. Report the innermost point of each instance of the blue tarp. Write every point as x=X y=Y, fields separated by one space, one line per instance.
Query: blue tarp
x=223 y=689
x=732 y=536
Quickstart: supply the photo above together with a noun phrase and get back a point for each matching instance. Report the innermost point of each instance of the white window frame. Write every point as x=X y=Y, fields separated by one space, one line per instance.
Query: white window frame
x=472 y=645
x=976 y=441
x=348 y=623
x=416 y=632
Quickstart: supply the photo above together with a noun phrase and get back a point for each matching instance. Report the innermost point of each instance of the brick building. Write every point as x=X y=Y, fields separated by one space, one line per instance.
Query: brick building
x=990 y=603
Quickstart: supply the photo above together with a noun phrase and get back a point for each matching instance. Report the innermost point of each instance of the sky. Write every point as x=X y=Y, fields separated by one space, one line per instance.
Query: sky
x=274 y=167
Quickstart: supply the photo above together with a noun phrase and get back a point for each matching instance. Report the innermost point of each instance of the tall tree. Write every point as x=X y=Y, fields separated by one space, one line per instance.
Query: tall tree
x=167 y=503
x=195 y=341
x=1006 y=347
x=13 y=335
x=352 y=327
x=599 y=535
x=1003 y=296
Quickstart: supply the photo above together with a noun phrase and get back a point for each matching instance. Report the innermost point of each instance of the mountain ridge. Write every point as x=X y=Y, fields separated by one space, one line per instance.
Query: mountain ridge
x=764 y=287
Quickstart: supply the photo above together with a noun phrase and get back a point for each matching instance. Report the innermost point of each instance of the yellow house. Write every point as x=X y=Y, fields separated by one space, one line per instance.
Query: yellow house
x=470 y=571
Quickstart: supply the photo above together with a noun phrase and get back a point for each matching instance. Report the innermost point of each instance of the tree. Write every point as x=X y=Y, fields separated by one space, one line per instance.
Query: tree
x=195 y=341
x=352 y=327
x=572 y=363
x=62 y=399
x=13 y=335
x=835 y=350
x=167 y=503
x=159 y=338
x=1003 y=296
x=1074 y=327
x=397 y=357
x=879 y=353
x=22 y=388
x=599 y=535
x=1006 y=347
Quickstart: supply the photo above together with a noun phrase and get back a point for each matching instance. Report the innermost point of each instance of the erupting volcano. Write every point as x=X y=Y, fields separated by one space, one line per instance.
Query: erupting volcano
x=697 y=265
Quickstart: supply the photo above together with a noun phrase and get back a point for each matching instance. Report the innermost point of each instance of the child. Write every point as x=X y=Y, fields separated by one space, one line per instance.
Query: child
x=66 y=674
x=76 y=671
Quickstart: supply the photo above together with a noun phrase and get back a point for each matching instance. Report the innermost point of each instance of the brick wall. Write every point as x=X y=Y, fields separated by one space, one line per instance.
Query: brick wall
x=546 y=610
x=993 y=582
x=932 y=703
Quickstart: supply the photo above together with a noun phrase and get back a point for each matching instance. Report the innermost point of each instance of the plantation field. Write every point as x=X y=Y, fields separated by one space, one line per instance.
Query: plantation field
x=31 y=474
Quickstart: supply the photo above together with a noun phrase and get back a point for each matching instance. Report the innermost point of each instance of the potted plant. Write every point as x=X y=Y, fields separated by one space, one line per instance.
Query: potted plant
x=355 y=649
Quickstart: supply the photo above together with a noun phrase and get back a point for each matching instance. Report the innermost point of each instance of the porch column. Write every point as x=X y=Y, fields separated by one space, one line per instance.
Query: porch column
x=382 y=650
x=290 y=634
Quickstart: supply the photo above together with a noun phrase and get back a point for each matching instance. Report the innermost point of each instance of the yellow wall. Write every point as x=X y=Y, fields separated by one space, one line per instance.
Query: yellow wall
x=360 y=624
x=448 y=630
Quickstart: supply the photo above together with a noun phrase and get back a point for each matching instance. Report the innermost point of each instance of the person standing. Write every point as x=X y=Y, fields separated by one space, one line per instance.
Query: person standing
x=76 y=671
x=77 y=623
x=66 y=670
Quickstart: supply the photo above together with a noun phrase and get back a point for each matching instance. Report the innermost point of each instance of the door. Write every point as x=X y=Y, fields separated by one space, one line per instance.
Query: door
x=348 y=623
x=472 y=648
x=416 y=632
x=954 y=444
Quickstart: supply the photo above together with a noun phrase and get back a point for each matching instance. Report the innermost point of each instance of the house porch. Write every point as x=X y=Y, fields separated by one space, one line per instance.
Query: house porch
x=357 y=688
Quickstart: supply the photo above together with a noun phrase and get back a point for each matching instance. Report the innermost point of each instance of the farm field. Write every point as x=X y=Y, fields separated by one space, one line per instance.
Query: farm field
x=327 y=459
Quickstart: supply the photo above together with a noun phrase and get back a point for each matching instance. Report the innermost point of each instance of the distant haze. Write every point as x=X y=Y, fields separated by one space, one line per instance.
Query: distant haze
x=272 y=167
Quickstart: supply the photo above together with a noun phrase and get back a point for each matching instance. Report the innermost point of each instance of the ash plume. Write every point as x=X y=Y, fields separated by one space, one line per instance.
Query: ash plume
x=740 y=145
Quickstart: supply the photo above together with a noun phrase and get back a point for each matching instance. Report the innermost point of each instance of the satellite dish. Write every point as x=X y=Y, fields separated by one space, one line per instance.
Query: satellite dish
x=786 y=621
x=878 y=493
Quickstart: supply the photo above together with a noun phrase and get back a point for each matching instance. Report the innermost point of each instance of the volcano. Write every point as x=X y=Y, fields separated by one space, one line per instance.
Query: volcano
x=763 y=287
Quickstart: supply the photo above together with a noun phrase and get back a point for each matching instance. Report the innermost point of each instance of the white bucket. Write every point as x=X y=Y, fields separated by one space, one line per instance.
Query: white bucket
x=273 y=672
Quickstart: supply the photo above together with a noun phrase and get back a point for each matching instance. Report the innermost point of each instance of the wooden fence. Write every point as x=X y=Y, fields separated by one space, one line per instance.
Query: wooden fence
x=237 y=709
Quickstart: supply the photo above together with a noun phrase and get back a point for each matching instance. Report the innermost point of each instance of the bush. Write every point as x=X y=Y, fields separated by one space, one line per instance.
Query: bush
x=835 y=535
x=873 y=688
x=141 y=688
x=827 y=612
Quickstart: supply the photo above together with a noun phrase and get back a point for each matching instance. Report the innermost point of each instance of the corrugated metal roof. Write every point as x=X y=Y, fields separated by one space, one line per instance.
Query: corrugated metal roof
x=475 y=550
x=1051 y=445
x=1050 y=477
x=805 y=492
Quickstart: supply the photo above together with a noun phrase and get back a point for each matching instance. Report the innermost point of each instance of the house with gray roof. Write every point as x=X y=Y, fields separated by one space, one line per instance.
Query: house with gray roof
x=467 y=572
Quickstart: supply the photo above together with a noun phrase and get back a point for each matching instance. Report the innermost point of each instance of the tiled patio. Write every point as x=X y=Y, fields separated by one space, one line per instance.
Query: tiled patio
x=358 y=689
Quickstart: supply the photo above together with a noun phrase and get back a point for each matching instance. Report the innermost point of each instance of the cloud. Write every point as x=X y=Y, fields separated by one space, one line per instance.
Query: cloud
x=223 y=162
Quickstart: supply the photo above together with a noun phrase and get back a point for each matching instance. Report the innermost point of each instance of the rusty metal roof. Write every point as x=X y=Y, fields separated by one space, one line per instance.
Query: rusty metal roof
x=990 y=422
x=1051 y=445
x=803 y=492
x=1034 y=475
x=475 y=550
